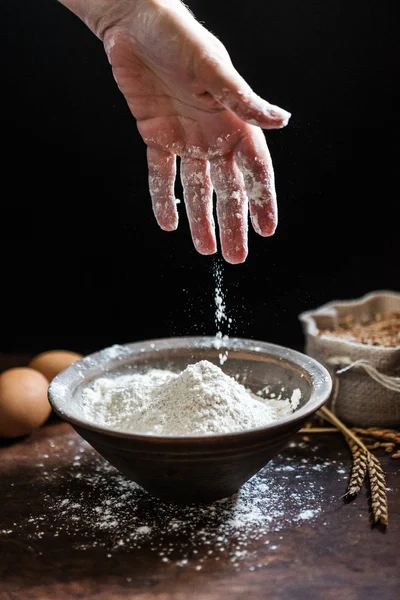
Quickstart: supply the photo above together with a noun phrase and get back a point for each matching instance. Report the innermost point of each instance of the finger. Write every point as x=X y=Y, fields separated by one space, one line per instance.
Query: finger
x=162 y=171
x=232 y=208
x=198 y=196
x=254 y=161
x=225 y=84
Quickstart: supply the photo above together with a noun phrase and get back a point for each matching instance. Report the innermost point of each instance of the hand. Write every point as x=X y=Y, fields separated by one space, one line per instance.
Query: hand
x=190 y=102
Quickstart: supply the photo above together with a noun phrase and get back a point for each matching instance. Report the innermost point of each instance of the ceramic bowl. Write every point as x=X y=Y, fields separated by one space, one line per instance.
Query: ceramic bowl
x=194 y=469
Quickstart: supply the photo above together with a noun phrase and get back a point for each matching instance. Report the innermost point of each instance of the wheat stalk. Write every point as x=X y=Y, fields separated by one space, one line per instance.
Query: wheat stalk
x=359 y=468
x=318 y=430
x=326 y=414
x=376 y=476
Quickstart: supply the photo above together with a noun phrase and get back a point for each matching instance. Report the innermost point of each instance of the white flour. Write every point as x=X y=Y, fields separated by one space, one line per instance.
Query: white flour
x=222 y=321
x=200 y=400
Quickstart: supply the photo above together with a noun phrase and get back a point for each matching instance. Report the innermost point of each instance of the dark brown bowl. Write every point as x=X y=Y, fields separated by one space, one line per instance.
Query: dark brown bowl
x=202 y=468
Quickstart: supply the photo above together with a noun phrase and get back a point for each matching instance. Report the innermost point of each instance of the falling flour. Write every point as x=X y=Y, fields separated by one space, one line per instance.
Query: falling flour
x=222 y=321
x=200 y=400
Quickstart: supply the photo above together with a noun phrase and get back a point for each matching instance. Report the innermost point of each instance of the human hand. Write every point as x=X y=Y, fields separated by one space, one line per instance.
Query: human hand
x=191 y=103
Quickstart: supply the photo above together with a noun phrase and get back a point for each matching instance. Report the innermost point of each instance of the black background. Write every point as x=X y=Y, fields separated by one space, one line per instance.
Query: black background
x=84 y=264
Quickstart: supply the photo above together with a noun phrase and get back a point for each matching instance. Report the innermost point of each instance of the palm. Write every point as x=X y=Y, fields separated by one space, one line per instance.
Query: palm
x=179 y=113
x=173 y=120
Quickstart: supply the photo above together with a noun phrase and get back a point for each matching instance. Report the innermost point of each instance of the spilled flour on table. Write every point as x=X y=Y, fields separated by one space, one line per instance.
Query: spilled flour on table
x=93 y=507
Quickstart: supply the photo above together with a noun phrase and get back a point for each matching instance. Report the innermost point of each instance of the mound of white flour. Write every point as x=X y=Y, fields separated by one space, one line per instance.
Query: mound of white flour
x=202 y=399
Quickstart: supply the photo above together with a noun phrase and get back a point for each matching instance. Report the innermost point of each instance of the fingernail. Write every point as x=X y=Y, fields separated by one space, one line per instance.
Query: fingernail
x=278 y=113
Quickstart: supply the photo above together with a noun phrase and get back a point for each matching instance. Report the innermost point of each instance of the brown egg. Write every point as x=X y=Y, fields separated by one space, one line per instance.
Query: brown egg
x=50 y=363
x=23 y=401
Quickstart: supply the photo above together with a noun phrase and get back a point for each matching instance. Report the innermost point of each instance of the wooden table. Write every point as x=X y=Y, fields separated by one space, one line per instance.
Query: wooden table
x=52 y=485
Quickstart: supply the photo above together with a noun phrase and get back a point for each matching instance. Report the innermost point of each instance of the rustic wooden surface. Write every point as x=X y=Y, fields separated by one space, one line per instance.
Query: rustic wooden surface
x=338 y=555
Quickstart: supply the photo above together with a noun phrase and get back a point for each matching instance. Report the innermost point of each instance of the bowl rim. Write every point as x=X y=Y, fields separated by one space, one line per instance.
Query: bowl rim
x=58 y=386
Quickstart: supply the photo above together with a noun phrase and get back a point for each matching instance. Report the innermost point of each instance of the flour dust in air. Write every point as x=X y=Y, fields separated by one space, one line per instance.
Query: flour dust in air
x=222 y=321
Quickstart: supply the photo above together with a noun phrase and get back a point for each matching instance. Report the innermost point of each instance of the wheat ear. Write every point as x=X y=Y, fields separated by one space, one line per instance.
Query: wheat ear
x=359 y=468
x=391 y=435
x=376 y=476
x=378 y=490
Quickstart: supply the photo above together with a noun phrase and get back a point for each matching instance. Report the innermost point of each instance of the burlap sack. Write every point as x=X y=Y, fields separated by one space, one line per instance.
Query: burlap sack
x=366 y=390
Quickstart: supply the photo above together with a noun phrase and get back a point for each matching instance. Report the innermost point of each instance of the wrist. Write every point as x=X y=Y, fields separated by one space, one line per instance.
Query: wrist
x=100 y=15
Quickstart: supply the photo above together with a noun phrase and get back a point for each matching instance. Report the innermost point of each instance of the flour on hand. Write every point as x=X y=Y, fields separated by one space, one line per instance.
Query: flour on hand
x=200 y=400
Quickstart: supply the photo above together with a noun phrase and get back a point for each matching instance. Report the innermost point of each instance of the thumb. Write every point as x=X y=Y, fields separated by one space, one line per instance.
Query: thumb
x=225 y=84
